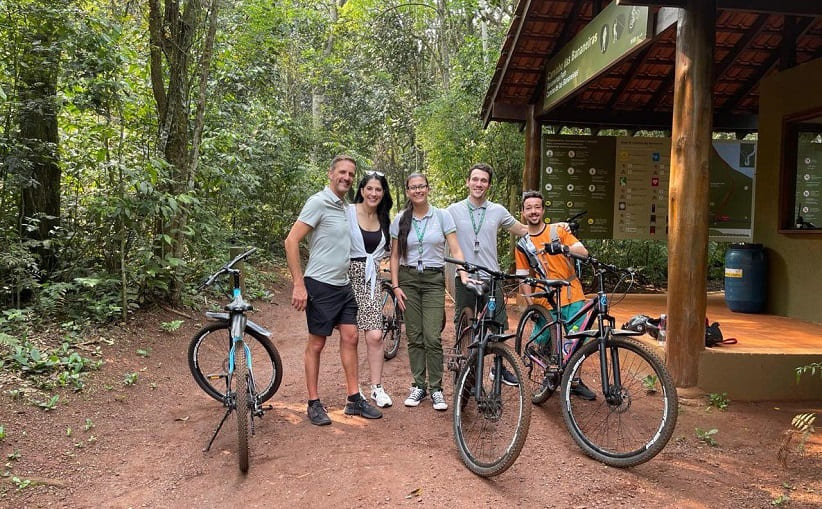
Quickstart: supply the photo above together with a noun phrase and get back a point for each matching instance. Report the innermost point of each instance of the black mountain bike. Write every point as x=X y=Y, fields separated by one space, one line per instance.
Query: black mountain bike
x=491 y=416
x=636 y=405
x=392 y=323
x=220 y=358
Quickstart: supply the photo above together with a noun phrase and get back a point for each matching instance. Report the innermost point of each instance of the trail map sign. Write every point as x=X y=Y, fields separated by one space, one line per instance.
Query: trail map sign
x=623 y=184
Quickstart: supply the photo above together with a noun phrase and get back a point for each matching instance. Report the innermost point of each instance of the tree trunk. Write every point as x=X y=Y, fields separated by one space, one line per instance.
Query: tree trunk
x=173 y=36
x=688 y=200
x=37 y=120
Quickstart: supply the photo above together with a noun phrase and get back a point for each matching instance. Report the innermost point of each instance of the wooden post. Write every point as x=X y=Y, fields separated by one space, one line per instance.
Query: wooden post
x=533 y=142
x=688 y=191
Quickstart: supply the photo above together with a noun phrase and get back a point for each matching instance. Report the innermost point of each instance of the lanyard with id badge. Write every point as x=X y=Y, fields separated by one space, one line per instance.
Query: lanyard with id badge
x=420 y=237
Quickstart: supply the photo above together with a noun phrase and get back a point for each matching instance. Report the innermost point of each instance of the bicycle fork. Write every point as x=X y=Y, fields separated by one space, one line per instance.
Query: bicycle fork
x=233 y=399
x=611 y=389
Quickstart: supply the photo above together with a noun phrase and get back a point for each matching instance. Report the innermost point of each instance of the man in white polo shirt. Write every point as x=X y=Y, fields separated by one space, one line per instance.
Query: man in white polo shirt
x=478 y=220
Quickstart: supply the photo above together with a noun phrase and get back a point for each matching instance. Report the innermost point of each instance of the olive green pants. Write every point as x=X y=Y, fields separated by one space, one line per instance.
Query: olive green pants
x=424 y=303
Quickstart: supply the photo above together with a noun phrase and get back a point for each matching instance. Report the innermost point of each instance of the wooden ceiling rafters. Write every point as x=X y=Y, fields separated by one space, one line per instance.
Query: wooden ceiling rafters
x=748 y=47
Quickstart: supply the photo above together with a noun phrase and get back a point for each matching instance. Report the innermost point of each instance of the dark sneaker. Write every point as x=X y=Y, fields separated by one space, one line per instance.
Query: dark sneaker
x=580 y=389
x=508 y=378
x=317 y=414
x=362 y=408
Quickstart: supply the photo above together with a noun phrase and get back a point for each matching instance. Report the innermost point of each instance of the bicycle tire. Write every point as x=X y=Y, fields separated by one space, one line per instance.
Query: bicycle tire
x=490 y=437
x=242 y=400
x=632 y=428
x=208 y=360
x=462 y=335
x=391 y=325
x=543 y=384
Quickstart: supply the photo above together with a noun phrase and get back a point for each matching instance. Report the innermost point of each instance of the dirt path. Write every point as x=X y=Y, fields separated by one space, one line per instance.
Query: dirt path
x=145 y=446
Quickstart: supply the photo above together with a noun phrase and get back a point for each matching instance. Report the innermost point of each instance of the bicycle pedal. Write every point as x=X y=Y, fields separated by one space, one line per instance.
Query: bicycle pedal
x=216 y=376
x=267 y=407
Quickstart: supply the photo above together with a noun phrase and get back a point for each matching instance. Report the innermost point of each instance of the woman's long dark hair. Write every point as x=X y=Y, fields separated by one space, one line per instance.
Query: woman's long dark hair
x=405 y=220
x=383 y=208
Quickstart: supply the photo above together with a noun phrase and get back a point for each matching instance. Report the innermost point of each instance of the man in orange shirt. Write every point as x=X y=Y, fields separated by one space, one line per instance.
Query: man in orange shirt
x=551 y=267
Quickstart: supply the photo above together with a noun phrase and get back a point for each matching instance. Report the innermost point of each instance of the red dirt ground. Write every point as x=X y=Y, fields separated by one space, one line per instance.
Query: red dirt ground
x=145 y=446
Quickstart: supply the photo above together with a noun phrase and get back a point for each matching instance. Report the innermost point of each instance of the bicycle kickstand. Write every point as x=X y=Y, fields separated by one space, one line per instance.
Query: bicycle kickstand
x=219 y=426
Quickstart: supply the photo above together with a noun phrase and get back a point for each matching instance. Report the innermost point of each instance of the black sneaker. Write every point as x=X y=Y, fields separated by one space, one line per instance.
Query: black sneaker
x=581 y=390
x=362 y=408
x=508 y=378
x=317 y=414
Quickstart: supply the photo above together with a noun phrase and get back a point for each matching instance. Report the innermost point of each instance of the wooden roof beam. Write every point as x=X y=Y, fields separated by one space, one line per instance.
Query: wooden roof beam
x=740 y=46
x=787 y=7
x=569 y=116
x=764 y=69
x=626 y=79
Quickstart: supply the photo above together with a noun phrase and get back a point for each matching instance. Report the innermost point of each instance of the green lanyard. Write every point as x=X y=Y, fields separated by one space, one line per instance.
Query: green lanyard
x=474 y=224
x=420 y=237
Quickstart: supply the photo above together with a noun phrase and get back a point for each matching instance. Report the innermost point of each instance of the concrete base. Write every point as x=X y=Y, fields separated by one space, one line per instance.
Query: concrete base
x=749 y=376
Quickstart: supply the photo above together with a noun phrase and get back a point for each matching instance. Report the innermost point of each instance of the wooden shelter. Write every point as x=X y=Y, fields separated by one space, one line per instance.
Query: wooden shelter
x=711 y=65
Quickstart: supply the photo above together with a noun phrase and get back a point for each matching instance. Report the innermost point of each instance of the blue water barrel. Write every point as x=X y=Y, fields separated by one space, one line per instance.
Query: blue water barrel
x=746 y=278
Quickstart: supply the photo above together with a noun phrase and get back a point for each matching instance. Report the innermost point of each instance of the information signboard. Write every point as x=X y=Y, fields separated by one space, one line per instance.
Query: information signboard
x=623 y=184
x=808 y=198
x=614 y=33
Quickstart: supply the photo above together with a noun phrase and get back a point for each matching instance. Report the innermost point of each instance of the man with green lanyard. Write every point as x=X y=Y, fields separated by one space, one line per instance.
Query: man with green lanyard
x=478 y=220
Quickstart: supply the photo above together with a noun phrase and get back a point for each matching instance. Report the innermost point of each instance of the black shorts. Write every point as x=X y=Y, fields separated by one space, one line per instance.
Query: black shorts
x=329 y=305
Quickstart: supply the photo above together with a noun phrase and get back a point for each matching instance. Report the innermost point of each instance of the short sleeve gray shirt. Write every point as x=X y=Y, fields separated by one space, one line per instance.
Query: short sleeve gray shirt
x=432 y=228
x=496 y=217
x=329 y=243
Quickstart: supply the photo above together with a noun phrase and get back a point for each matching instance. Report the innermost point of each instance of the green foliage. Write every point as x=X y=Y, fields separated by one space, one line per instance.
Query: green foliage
x=811 y=368
x=21 y=483
x=130 y=378
x=707 y=436
x=49 y=404
x=650 y=383
x=718 y=400
x=2 y=432
x=58 y=367
x=171 y=326
x=781 y=499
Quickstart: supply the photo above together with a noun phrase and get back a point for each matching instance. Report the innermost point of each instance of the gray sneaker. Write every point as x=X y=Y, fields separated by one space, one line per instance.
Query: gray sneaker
x=317 y=414
x=362 y=408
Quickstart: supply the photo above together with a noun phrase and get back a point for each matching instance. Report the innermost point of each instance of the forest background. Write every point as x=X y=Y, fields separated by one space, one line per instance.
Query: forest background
x=140 y=140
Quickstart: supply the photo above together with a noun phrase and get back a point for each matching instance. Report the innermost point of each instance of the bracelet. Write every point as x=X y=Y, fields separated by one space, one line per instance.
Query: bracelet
x=394 y=287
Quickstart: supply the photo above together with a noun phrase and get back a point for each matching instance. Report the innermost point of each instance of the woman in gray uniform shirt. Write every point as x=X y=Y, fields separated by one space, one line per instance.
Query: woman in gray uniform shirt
x=418 y=238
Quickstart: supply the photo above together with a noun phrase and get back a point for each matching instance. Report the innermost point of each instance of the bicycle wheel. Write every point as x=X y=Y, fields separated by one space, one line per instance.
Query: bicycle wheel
x=242 y=399
x=462 y=337
x=634 y=424
x=491 y=431
x=208 y=361
x=391 y=325
x=543 y=379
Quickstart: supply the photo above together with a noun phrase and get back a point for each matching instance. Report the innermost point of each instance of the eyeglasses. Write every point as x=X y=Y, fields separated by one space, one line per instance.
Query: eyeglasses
x=377 y=173
x=419 y=187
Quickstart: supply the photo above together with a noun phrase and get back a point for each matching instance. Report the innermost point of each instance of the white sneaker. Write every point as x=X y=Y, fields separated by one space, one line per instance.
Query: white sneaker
x=380 y=397
x=417 y=395
x=438 y=399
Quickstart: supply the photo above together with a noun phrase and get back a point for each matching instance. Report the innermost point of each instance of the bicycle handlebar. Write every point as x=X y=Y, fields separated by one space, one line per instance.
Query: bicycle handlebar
x=226 y=268
x=473 y=268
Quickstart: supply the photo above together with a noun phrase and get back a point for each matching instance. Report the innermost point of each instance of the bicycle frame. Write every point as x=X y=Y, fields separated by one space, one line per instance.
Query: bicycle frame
x=482 y=321
x=594 y=309
x=238 y=321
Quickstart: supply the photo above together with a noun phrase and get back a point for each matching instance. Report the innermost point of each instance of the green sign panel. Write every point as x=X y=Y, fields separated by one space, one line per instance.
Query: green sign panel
x=808 y=198
x=614 y=33
x=622 y=183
